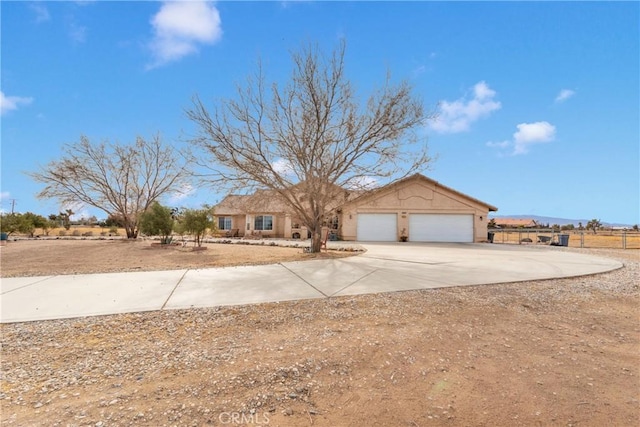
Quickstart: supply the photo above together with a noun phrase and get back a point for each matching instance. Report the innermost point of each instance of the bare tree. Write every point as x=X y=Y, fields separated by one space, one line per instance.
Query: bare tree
x=117 y=179
x=312 y=139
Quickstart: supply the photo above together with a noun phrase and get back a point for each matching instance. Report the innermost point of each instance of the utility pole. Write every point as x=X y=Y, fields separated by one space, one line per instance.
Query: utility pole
x=13 y=205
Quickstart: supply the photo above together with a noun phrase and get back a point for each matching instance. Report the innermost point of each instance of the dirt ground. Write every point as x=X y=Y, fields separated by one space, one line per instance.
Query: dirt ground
x=38 y=257
x=560 y=352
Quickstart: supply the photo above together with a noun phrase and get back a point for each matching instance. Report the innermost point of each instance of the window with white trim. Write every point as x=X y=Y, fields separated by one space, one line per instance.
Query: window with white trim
x=263 y=223
x=224 y=223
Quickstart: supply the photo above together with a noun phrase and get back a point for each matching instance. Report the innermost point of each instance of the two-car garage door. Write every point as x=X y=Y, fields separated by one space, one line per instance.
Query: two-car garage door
x=383 y=227
x=440 y=228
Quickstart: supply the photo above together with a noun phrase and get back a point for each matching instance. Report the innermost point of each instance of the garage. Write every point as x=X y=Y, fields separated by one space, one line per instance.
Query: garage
x=440 y=228
x=377 y=227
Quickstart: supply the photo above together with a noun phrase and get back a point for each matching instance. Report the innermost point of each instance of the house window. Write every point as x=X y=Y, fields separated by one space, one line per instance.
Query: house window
x=224 y=223
x=334 y=222
x=263 y=222
x=331 y=222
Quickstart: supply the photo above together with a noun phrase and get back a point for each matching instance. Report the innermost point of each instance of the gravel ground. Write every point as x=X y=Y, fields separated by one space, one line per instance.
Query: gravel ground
x=556 y=352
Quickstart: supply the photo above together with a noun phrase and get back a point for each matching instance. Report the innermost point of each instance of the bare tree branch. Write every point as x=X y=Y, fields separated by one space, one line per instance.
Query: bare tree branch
x=117 y=179
x=328 y=140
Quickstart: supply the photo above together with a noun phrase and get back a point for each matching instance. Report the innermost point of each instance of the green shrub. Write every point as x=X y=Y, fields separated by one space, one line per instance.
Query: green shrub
x=157 y=221
x=197 y=221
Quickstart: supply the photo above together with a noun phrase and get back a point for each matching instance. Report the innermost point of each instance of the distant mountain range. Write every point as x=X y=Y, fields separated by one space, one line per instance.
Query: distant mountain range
x=560 y=221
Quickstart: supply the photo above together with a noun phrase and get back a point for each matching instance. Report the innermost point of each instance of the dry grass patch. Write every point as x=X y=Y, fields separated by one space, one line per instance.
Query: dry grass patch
x=55 y=257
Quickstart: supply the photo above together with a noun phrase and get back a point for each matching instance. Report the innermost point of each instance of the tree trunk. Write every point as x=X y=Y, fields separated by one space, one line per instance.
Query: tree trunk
x=316 y=238
x=132 y=231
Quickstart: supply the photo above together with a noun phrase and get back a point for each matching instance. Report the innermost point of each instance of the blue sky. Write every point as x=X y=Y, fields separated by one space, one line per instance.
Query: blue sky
x=539 y=102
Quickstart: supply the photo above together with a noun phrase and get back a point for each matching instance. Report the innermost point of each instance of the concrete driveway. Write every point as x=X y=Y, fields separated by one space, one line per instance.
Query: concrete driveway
x=384 y=267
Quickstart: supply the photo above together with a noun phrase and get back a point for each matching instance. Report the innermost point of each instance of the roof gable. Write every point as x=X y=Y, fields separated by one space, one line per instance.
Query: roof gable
x=438 y=188
x=269 y=201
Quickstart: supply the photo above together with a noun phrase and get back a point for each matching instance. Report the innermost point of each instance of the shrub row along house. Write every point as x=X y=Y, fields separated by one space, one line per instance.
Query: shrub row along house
x=416 y=207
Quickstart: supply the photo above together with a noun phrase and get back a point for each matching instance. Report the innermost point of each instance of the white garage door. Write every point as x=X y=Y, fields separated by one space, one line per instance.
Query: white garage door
x=377 y=227
x=440 y=228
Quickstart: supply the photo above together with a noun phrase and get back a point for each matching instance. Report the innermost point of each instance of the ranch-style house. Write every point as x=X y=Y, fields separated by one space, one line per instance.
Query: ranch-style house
x=415 y=208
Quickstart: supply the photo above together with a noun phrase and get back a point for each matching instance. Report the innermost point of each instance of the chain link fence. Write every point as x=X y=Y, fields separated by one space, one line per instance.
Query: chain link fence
x=612 y=239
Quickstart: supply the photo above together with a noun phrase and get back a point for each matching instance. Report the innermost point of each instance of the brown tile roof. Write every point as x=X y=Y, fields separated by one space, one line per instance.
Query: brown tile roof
x=267 y=201
x=262 y=201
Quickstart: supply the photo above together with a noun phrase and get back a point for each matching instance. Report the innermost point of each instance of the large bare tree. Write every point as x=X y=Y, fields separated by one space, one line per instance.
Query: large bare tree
x=312 y=139
x=121 y=180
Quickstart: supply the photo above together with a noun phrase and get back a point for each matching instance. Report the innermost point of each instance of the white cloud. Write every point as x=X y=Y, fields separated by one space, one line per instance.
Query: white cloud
x=457 y=116
x=283 y=167
x=532 y=133
x=82 y=214
x=527 y=135
x=564 y=95
x=482 y=91
x=4 y=195
x=41 y=12
x=286 y=3
x=9 y=103
x=182 y=193
x=420 y=69
x=180 y=27
x=77 y=33
x=502 y=144
x=362 y=183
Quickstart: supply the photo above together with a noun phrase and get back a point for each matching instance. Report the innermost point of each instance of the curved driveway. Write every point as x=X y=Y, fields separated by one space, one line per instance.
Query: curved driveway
x=384 y=267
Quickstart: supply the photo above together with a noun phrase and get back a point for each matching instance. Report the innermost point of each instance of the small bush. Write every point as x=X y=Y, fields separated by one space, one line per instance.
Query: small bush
x=88 y=234
x=62 y=233
x=75 y=233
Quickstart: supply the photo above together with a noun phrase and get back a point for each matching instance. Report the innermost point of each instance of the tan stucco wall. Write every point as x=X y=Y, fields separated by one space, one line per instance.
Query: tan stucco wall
x=280 y=225
x=414 y=197
x=237 y=221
